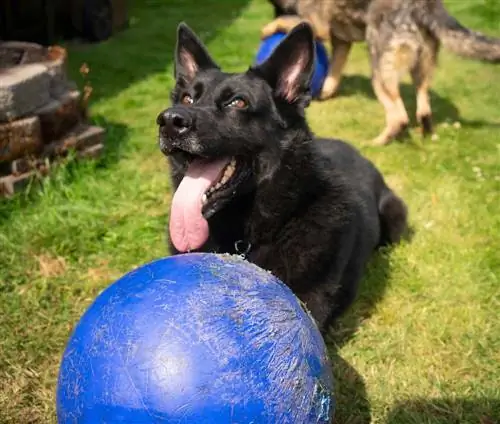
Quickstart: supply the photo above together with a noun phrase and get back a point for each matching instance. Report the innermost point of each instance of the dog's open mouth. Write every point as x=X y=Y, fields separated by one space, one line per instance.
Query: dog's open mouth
x=220 y=188
x=207 y=186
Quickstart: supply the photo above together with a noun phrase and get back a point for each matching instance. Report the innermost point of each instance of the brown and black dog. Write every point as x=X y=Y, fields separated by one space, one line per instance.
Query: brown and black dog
x=402 y=35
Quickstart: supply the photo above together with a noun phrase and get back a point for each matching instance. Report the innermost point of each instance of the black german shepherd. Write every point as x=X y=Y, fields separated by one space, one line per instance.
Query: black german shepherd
x=250 y=177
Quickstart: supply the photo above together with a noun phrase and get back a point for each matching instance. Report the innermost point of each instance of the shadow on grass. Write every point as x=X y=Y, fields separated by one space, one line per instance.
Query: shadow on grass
x=446 y=411
x=443 y=110
x=147 y=46
x=371 y=291
x=352 y=405
x=352 y=401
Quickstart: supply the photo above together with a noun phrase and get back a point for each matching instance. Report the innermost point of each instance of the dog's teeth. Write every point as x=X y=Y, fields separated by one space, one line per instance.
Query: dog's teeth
x=204 y=198
x=229 y=171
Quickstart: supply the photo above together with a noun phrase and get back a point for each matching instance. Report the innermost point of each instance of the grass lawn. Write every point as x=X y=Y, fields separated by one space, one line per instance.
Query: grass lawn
x=422 y=343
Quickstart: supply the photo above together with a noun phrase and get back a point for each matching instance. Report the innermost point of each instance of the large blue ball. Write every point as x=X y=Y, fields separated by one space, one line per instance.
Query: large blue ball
x=268 y=44
x=196 y=338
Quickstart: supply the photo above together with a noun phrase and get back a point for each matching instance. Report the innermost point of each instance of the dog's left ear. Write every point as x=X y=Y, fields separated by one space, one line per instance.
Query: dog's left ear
x=290 y=67
x=191 y=55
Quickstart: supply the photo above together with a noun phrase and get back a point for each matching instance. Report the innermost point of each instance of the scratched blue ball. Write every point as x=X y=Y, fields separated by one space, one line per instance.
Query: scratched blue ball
x=268 y=44
x=196 y=338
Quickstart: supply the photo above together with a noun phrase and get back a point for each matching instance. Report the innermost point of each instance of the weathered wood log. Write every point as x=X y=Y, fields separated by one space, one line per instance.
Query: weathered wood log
x=20 y=138
x=80 y=138
x=87 y=141
x=60 y=116
x=12 y=184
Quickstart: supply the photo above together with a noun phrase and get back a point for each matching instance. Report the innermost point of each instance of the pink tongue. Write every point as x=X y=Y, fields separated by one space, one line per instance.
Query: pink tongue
x=188 y=227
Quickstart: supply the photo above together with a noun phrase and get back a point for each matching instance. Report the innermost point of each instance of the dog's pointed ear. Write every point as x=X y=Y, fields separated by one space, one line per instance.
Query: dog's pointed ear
x=289 y=68
x=191 y=55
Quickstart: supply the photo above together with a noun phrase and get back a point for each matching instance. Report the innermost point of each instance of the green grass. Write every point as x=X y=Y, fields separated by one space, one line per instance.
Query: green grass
x=422 y=343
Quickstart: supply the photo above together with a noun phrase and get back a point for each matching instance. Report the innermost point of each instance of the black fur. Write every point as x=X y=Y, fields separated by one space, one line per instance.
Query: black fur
x=311 y=210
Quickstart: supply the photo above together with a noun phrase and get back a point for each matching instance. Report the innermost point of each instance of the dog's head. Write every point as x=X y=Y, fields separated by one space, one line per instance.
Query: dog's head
x=225 y=133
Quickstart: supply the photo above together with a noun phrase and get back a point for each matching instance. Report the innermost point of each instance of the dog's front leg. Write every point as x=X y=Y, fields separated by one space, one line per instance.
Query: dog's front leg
x=340 y=53
x=329 y=292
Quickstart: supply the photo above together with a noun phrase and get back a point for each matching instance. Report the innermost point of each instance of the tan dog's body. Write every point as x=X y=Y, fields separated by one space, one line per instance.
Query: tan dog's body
x=402 y=35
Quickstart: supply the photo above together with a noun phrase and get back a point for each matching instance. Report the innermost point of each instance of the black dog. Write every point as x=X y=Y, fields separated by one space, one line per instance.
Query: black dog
x=251 y=178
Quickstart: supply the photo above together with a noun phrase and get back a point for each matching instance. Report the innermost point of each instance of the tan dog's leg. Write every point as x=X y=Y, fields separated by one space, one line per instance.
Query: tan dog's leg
x=387 y=91
x=391 y=58
x=422 y=76
x=340 y=53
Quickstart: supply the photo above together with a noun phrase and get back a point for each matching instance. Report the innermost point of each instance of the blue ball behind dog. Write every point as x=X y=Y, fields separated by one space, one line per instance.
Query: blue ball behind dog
x=268 y=44
x=196 y=338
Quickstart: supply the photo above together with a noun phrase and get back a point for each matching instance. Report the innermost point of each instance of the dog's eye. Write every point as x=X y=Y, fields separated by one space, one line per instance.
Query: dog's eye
x=238 y=103
x=187 y=100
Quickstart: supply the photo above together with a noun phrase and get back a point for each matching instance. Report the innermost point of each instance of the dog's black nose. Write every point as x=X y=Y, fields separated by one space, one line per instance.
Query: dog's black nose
x=174 y=122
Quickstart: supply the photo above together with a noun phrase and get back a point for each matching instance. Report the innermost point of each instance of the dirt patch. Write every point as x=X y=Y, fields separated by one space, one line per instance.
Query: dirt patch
x=50 y=266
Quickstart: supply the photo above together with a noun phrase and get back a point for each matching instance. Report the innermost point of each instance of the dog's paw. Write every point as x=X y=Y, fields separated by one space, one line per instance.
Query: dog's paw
x=426 y=124
x=329 y=89
x=381 y=140
x=269 y=29
x=398 y=130
x=283 y=24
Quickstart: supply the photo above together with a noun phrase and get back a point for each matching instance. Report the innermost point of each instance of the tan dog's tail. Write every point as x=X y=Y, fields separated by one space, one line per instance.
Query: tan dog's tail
x=459 y=39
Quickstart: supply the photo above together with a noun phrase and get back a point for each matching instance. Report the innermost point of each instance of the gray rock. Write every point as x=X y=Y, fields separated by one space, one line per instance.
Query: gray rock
x=23 y=89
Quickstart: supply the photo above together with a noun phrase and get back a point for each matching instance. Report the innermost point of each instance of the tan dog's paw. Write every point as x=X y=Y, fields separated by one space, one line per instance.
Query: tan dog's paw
x=269 y=29
x=392 y=131
x=281 y=24
x=329 y=89
x=381 y=140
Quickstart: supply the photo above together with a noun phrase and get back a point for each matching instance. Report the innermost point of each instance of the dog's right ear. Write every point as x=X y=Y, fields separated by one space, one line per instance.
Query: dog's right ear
x=191 y=55
x=290 y=67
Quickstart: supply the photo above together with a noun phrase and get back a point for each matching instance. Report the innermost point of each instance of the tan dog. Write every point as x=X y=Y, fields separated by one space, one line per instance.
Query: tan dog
x=402 y=35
